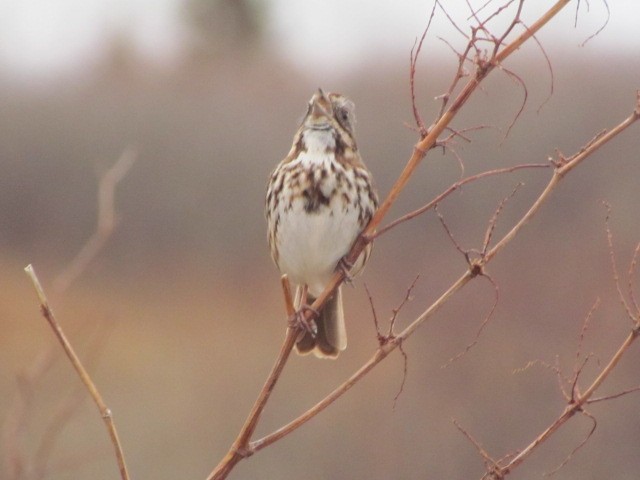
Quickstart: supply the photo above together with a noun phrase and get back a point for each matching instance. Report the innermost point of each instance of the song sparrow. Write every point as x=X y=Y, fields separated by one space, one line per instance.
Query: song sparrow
x=319 y=199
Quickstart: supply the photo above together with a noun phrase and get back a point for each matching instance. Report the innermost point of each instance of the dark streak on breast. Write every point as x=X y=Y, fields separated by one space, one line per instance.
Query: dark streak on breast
x=314 y=199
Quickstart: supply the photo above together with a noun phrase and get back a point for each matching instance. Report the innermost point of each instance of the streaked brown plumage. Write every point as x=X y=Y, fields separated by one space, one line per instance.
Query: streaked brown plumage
x=319 y=199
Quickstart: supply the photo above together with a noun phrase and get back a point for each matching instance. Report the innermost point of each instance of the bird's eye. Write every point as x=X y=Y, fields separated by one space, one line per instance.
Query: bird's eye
x=343 y=115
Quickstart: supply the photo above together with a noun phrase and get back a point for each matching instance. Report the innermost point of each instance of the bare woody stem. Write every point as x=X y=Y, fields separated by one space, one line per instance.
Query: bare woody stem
x=572 y=408
x=473 y=271
x=559 y=173
x=238 y=450
x=241 y=448
x=377 y=357
x=430 y=140
x=453 y=188
x=105 y=412
x=107 y=222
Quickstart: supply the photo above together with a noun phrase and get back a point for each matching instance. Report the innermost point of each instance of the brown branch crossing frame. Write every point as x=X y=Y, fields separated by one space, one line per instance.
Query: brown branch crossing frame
x=242 y=446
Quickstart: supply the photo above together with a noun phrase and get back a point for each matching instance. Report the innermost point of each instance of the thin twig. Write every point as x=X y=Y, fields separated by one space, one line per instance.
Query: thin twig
x=384 y=350
x=453 y=188
x=614 y=267
x=407 y=298
x=16 y=422
x=631 y=277
x=413 y=60
x=452 y=238
x=379 y=336
x=584 y=441
x=515 y=77
x=494 y=218
x=405 y=372
x=428 y=142
x=15 y=425
x=490 y=463
x=65 y=411
x=604 y=25
x=241 y=447
x=614 y=396
x=583 y=331
x=574 y=407
x=105 y=412
x=483 y=324
x=420 y=150
x=107 y=222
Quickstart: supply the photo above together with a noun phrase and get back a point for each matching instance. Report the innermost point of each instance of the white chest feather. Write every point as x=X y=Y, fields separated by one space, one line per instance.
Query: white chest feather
x=318 y=219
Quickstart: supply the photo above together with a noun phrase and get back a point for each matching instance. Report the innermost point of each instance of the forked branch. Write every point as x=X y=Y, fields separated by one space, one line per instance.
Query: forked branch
x=427 y=142
x=385 y=349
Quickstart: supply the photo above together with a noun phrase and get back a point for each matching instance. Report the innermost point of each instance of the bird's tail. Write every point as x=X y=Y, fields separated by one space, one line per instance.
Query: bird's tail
x=331 y=337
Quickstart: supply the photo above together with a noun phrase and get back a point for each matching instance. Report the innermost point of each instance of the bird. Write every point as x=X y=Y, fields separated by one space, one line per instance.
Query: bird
x=319 y=199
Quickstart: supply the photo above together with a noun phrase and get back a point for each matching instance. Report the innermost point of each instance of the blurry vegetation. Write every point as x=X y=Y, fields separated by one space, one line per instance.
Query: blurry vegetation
x=225 y=27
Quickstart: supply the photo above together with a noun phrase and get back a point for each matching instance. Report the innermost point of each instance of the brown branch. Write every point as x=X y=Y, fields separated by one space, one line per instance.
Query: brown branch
x=66 y=410
x=413 y=60
x=559 y=173
x=16 y=420
x=494 y=219
x=549 y=66
x=379 y=336
x=241 y=447
x=577 y=401
x=483 y=324
x=614 y=395
x=394 y=312
x=105 y=412
x=631 y=277
x=572 y=408
x=452 y=189
x=584 y=441
x=452 y=238
x=15 y=425
x=405 y=372
x=614 y=267
x=490 y=463
x=583 y=331
x=427 y=143
x=420 y=150
x=107 y=222
x=604 y=25
x=513 y=76
x=384 y=350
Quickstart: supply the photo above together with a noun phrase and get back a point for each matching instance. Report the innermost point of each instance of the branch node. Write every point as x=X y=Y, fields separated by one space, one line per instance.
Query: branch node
x=243 y=452
x=476 y=267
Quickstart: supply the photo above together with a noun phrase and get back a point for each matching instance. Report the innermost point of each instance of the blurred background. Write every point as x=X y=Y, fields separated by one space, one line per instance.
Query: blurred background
x=184 y=301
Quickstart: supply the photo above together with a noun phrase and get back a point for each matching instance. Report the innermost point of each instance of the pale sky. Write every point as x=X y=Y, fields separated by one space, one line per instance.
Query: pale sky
x=42 y=38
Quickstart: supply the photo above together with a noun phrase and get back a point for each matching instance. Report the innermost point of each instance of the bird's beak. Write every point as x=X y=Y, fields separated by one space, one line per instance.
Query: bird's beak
x=320 y=107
